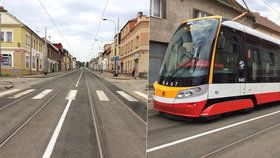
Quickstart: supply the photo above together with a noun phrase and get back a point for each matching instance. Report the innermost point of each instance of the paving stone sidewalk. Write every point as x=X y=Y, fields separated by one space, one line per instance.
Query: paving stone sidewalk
x=124 y=82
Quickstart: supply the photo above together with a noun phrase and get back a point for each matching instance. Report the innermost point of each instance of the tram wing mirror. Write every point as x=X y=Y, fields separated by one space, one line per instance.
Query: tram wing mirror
x=221 y=42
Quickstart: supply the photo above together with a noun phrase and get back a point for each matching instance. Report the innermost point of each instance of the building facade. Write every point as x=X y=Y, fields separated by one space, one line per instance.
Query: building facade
x=107 y=58
x=134 y=43
x=53 y=54
x=167 y=15
x=22 y=49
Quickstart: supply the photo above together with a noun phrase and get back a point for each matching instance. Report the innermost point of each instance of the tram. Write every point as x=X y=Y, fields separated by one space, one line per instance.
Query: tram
x=214 y=66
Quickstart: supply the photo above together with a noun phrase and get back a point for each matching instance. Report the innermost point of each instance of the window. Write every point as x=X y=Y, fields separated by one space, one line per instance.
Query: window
x=158 y=8
x=2 y=36
x=27 y=60
x=199 y=14
x=33 y=62
x=7 y=59
x=9 y=36
x=137 y=42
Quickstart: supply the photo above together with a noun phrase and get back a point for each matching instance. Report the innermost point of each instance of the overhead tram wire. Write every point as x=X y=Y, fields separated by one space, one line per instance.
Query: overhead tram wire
x=270 y=6
x=55 y=24
x=101 y=19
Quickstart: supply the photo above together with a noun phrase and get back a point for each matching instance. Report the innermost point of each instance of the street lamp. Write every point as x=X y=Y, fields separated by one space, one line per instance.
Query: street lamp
x=116 y=44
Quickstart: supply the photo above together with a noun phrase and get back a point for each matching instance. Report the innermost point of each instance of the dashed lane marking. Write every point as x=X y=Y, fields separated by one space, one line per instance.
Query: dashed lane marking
x=126 y=96
x=143 y=95
x=42 y=94
x=79 y=79
x=102 y=96
x=22 y=93
x=2 y=94
x=71 y=95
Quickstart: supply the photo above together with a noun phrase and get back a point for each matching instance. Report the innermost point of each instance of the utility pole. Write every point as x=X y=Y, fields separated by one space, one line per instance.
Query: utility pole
x=0 y=47
x=46 y=53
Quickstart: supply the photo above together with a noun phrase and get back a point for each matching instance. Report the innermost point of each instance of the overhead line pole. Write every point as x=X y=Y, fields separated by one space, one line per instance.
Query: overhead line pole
x=0 y=46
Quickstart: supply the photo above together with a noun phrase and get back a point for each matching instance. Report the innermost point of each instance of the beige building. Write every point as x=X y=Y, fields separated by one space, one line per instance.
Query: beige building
x=22 y=49
x=167 y=15
x=134 y=46
x=108 y=56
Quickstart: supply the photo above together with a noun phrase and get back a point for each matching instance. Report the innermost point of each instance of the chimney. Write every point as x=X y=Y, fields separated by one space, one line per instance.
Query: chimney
x=2 y=9
x=139 y=14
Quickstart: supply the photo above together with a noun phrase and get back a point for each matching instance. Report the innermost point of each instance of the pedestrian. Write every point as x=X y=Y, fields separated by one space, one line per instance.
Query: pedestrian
x=134 y=73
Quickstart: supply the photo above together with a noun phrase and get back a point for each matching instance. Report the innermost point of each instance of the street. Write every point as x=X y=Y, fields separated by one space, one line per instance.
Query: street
x=234 y=135
x=78 y=114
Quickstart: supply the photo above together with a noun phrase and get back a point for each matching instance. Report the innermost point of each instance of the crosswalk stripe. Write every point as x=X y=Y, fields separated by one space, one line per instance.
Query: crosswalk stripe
x=8 y=92
x=42 y=94
x=141 y=94
x=126 y=96
x=102 y=96
x=22 y=93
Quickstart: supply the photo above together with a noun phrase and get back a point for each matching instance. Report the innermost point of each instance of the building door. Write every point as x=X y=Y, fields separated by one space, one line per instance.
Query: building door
x=136 y=64
x=37 y=64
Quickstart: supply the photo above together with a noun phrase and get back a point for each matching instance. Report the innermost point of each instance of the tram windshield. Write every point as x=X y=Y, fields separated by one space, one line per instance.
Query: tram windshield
x=187 y=58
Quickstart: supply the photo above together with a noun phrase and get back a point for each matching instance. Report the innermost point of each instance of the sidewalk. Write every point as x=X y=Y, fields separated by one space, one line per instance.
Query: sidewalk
x=110 y=75
x=51 y=74
x=27 y=81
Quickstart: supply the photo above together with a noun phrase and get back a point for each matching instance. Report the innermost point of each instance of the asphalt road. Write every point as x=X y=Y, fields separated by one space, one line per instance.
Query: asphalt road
x=251 y=135
x=76 y=115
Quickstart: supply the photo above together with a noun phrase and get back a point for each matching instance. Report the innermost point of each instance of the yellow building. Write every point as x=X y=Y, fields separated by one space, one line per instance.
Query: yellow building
x=22 y=49
x=134 y=46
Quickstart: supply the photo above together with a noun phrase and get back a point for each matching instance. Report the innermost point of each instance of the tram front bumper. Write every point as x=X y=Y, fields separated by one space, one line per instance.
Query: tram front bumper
x=181 y=109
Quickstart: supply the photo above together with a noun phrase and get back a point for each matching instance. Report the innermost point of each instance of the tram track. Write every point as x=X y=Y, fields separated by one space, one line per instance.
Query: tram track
x=34 y=92
x=98 y=132
x=125 y=107
x=6 y=137
x=240 y=141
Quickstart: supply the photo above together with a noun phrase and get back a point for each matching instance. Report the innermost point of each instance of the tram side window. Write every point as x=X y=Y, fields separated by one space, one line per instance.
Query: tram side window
x=253 y=63
x=263 y=61
x=226 y=60
x=270 y=60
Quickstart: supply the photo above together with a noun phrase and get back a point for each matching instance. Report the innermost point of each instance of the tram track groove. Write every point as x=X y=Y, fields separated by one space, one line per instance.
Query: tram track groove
x=98 y=132
x=131 y=112
x=34 y=92
x=33 y=113
x=240 y=141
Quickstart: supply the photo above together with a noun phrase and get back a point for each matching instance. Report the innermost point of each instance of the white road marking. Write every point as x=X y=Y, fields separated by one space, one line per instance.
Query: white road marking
x=22 y=93
x=141 y=94
x=102 y=96
x=8 y=92
x=126 y=96
x=42 y=94
x=71 y=95
x=79 y=79
x=49 y=149
x=209 y=132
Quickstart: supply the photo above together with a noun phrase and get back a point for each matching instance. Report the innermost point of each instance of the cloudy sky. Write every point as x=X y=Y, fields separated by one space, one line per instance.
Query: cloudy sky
x=77 y=20
x=264 y=10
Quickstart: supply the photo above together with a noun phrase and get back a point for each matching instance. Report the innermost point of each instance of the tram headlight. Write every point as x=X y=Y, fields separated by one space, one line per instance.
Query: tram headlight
x=188 y=92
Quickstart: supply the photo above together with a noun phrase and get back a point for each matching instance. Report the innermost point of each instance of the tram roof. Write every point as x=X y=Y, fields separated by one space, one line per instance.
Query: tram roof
x=246 y=29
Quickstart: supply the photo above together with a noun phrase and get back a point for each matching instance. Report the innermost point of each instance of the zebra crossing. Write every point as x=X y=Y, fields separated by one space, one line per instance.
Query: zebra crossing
x=133 y=96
